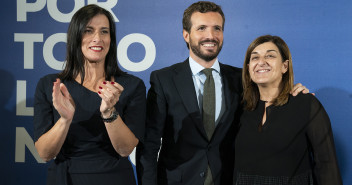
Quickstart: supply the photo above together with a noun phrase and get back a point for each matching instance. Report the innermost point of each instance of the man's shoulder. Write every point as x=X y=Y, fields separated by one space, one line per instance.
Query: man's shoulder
x=229 y=68
x=231 y=72
x=170 y=69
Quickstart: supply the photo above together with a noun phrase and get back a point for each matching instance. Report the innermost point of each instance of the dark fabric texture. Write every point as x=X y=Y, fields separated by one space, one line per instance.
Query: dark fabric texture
x=302 y=179
x=295 y=143
x=87 y=148
x=174 y=125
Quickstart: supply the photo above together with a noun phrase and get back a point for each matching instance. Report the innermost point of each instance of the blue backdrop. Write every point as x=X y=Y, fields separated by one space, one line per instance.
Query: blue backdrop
x=149 y=33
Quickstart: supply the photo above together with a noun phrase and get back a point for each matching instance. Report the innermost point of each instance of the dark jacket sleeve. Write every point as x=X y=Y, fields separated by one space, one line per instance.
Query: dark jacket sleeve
x=147 y=152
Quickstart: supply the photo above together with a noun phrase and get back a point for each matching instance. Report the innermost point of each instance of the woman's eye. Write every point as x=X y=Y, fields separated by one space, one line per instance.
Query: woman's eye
x=87 y=31
x=270 y=56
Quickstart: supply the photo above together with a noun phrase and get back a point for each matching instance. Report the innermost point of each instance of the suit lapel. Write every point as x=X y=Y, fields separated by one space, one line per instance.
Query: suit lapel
x=227 y=87
x=230 y=98
x=185 y=88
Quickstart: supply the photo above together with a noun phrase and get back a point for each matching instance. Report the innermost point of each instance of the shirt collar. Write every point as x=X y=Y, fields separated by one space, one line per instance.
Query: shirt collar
x=196 y=68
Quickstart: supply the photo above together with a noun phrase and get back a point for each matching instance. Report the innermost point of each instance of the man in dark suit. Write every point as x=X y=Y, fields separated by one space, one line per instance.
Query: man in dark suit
x=175 y=123
x=174 y=110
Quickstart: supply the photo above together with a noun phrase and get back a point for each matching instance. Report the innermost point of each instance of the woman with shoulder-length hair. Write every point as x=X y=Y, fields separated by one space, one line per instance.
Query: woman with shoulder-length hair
x=91 y=116
x=282 y=139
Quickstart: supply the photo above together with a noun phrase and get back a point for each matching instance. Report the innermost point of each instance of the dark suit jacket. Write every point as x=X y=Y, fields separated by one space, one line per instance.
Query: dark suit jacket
x=173 y=115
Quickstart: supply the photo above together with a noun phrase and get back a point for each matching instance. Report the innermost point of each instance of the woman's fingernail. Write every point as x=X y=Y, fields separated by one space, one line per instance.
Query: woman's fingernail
x=99 y=92
x=104 y=82
x=100 y=87
x=112 y=82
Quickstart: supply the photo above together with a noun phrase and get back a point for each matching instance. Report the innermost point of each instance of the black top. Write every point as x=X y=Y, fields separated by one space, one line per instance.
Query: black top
x=295 y=145
x=87 y=148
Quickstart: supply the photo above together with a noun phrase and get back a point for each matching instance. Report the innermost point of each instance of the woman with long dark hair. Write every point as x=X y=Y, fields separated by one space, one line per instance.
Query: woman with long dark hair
x=91 y=116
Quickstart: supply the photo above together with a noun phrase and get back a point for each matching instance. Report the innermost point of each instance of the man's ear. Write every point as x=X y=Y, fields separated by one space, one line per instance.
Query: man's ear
x=185 y=35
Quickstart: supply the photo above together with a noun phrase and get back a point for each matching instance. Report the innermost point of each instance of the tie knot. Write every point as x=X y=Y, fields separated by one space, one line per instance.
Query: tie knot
x=207 y=71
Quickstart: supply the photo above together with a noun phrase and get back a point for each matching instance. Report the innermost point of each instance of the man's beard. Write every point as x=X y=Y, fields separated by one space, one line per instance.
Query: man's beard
x=207 y=57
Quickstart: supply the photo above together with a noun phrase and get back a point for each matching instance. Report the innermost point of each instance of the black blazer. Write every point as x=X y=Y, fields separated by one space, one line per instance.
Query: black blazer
x=173 y=115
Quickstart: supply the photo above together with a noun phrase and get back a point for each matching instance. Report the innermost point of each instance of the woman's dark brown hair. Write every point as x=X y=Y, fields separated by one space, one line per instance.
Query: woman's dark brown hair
x=74 y=57
x=250 y=89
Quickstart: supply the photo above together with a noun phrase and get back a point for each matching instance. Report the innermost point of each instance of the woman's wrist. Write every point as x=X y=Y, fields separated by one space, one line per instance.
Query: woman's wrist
x=65 y=120
x=106 y=114
x=113 y=116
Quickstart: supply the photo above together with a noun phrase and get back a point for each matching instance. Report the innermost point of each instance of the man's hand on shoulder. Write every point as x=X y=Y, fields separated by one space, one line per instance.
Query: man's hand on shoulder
x=297 y=88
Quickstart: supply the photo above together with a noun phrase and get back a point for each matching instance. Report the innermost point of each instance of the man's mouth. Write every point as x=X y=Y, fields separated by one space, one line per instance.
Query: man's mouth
x=208 y=45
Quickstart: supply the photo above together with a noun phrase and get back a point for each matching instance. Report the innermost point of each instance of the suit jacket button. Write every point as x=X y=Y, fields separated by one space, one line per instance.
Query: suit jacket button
x=201 y=174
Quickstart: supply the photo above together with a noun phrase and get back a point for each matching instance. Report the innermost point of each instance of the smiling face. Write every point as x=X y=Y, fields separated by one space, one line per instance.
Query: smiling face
x=266 y=65
x=96 y=39
x=205 y=37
